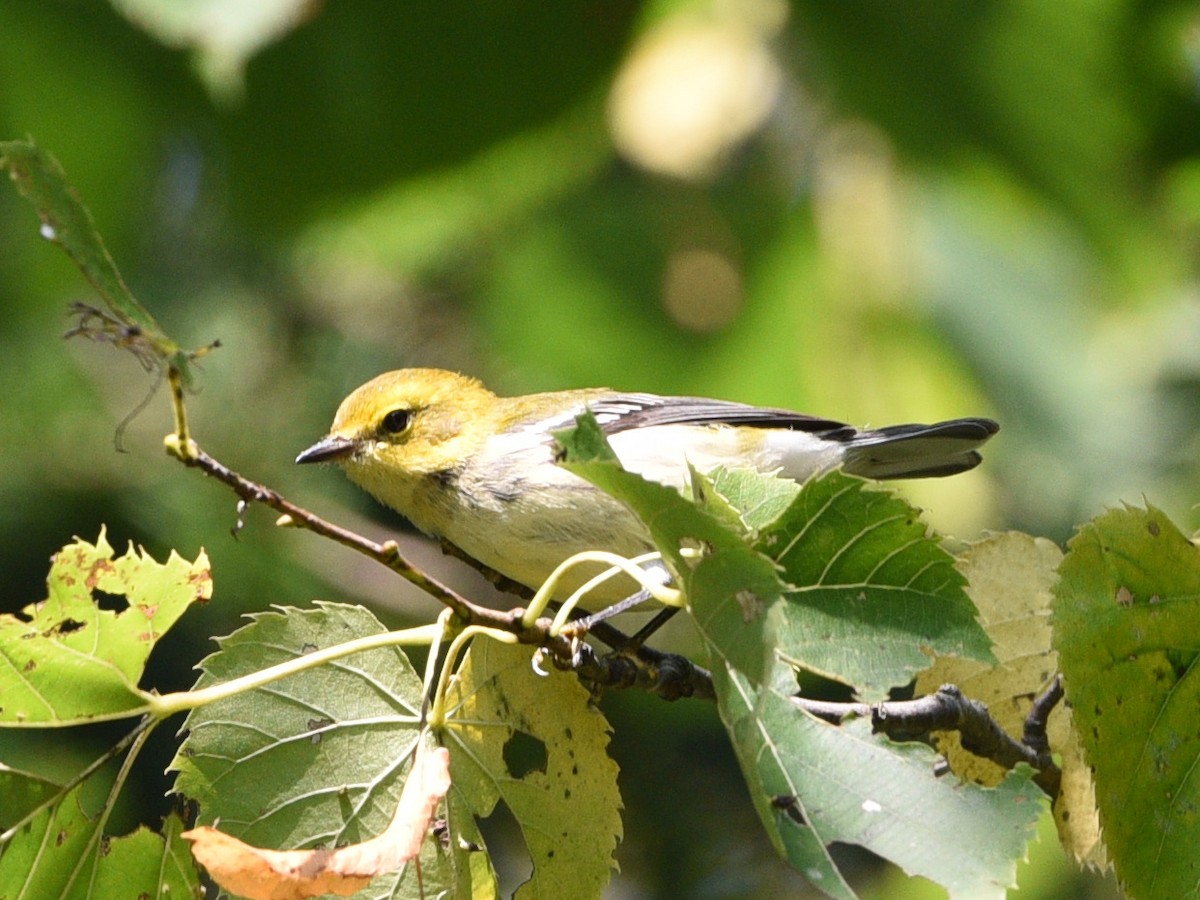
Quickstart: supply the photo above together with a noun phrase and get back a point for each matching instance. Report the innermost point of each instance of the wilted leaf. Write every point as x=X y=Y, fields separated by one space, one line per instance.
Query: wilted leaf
x=564 y=795
x=260 y=874
x=74 y=657
x=1010 y=578
x=1126 y=616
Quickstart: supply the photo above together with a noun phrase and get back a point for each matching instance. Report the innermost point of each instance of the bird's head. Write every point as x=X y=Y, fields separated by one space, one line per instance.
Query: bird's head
x=403 y=426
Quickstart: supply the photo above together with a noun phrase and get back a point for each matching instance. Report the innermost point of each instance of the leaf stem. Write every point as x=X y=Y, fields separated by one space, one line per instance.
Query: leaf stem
x=437 y=714
x=182 y=438
x=169 y=704
x=653 y=586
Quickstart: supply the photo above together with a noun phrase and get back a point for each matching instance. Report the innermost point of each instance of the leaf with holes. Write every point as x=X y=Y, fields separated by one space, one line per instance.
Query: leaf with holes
x=64 y=853
x=731 y=588
x=814 y=783
x=873 y=592
x=78 y=654
x=537 y=744
x=317 y=758
x=1126 y=616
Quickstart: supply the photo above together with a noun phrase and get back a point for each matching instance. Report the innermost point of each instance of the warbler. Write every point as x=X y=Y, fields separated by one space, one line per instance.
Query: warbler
x=477 y=470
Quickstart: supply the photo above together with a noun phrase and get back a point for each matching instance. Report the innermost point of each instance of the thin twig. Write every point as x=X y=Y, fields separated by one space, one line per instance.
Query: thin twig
x=386 y=553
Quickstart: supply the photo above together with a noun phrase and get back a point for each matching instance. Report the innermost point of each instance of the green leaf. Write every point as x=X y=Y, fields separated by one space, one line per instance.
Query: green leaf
x=67 y=659
x=759 y=500
x=539 y=745
x=1126 y=617
x=22 y=792
x=730 y=589
x=63 y=854
x=66 y=221
x=872 y=590
x=317 y=758
x=160 y=864
x=814 y=783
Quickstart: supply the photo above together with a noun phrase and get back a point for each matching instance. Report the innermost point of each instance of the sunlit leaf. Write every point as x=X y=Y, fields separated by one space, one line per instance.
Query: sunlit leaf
x=536 y=744
x=1126 y=616
x=759 y=501
x=80 y=653
x=814 y=783
x=873 y=592
x=315 y=759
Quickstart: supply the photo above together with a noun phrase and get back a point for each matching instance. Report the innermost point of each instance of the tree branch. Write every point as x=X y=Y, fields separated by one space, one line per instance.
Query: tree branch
x=947 y=709
x=386 y=554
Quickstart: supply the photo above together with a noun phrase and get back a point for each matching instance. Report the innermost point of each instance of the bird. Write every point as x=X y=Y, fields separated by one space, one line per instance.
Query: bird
x=478 y=470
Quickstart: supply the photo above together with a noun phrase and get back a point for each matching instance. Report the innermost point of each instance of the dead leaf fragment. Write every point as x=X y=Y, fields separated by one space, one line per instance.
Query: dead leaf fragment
x=261 y=874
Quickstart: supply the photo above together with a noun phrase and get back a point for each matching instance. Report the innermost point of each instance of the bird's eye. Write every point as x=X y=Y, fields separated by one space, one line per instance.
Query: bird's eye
x=396 y=421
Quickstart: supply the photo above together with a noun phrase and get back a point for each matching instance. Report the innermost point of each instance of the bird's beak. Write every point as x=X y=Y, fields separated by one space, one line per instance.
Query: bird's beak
x=328 y=449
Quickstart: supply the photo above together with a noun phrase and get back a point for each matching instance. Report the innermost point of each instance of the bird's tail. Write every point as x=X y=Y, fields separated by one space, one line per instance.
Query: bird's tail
x=918 y=451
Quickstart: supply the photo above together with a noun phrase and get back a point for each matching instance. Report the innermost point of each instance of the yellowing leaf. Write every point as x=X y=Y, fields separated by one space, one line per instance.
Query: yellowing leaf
x=260 y=874
x=1011 y=577
x=79 y=653
x=564 y=792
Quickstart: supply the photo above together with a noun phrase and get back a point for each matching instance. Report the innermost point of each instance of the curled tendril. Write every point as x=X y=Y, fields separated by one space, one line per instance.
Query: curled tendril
x=97 y=325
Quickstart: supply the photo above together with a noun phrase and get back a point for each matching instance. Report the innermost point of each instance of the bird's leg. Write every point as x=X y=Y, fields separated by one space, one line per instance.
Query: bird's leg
x=660 y=573
x=588 y=622
x=661 y=618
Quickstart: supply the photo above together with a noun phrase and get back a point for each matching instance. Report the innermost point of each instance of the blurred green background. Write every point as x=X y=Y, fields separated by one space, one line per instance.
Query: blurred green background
x=868 y=211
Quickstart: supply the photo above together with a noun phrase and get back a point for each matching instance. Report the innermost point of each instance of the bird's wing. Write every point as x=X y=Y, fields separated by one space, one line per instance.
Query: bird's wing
x=621 y=412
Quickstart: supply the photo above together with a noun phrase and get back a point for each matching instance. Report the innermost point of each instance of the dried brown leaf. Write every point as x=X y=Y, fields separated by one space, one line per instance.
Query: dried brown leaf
x=261 y=874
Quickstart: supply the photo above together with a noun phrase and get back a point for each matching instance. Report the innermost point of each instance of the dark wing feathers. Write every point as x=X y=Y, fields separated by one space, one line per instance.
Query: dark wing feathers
x=620 y=413
x=918 y=451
